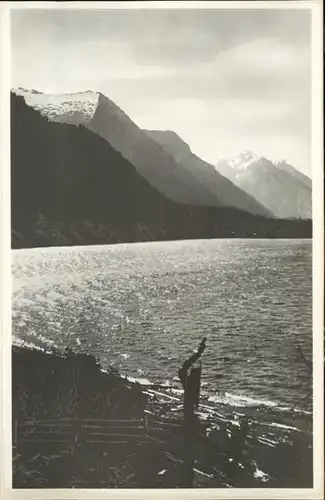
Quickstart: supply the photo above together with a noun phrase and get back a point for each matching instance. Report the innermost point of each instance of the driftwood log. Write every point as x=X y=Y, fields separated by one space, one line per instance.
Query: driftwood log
x=190 y=378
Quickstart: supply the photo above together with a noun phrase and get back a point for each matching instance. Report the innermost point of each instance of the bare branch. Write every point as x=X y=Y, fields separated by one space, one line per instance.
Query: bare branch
x=183 y=371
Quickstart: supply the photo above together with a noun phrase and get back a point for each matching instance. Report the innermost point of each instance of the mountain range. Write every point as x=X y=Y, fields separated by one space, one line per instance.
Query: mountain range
x=282 y=189
x=177 y=180
x=83 y=173
x=225 y=190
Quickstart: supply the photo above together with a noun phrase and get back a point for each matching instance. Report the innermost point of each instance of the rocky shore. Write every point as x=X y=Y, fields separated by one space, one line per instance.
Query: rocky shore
x=254 y=448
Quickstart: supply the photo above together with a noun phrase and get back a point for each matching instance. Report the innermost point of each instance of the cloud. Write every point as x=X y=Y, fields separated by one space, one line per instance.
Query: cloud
x=173 y=37
x=258 y=68
x=187 y=38
x=204 y=73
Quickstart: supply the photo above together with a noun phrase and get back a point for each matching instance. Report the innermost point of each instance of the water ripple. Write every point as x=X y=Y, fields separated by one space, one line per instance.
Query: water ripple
x=145 y=306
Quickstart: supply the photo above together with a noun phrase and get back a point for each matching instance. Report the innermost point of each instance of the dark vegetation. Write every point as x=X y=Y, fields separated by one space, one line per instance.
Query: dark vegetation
x=224 y=451
x=69 y=187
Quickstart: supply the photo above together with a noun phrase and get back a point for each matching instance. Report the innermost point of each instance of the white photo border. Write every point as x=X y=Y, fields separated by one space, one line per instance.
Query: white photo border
x=317 y=492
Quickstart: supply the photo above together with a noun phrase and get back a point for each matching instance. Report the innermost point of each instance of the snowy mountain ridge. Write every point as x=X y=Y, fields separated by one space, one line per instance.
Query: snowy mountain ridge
x=81 y=106
x=247 y=158
x=277 y=185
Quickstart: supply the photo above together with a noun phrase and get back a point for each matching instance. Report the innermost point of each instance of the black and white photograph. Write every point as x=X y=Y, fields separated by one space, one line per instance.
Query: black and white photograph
x=162 y=242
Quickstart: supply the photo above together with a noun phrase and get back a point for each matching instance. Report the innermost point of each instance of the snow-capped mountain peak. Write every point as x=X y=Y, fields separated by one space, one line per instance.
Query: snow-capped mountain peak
x=243 y=161
x=22 y=91
x=276 y=184
x=80 y=106
x=247 y=155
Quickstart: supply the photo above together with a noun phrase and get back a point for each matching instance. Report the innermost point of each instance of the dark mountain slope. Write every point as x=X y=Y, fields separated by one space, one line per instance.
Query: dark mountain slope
x=68 y=186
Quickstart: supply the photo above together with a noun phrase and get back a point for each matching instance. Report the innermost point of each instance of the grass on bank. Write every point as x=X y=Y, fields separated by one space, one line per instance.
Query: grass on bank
x=49 y=385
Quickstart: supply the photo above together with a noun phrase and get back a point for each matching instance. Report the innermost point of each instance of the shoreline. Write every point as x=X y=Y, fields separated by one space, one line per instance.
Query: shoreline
x=275 y=452
x=101 y=245
x=15 y=247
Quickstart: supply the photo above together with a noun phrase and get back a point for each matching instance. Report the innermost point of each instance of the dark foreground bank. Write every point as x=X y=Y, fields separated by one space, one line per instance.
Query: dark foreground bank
x=75 y=425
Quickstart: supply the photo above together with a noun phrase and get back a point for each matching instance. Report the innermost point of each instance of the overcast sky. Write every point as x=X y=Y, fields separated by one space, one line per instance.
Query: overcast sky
x=224 y=80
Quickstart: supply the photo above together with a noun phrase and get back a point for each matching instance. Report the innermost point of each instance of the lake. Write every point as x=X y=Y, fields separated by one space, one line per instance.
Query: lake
x=144 y=307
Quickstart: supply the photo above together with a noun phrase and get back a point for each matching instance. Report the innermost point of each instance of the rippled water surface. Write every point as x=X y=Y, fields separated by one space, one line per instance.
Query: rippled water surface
x=143 y=307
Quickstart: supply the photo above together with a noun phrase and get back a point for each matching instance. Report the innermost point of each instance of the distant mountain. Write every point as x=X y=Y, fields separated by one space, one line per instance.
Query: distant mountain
x=70 y=187
x=187 y=180
x=283 y=165
x=286 y=192
x=206 y=174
